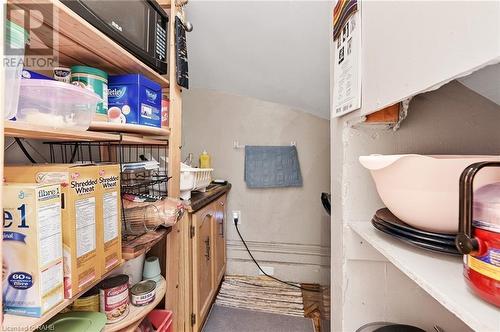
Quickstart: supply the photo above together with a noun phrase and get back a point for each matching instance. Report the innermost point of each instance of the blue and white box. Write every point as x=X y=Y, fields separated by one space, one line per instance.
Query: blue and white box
x=135 y=99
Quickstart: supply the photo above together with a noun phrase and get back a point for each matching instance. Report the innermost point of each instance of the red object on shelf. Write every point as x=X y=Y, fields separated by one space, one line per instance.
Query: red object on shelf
x=481 y=274
x=165 y=110
x=161 y=320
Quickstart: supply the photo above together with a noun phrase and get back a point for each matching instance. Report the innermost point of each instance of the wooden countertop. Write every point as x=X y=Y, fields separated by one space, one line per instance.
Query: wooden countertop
x=199 y=199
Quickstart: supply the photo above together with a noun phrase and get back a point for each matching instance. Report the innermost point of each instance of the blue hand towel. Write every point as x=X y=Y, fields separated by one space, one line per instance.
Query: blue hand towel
x=272 y=167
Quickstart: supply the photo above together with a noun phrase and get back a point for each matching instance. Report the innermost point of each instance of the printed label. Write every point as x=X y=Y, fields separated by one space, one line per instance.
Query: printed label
x=84 y=187
x=20 y=280
x=143 y=299
x=52 y=278
x=110 y=215
x=484 y=266
x=49 y=235
x=117 y=92
x=151 y=96
x=114 y=302
x=85 y=226
x=52 y=177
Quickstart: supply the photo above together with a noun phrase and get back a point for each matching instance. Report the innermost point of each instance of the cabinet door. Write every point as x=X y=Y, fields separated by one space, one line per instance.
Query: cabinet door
x=219 y=232
x=203 y=252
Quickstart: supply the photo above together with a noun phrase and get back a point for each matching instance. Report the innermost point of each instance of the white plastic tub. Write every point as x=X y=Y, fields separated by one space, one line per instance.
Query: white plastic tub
x=423 y=190
x=56 y=104
x=194 y=179
x=15 y=40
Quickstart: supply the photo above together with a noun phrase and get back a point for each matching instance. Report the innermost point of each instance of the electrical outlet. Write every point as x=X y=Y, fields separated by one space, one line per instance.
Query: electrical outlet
x=268 y=269
x=237 y=214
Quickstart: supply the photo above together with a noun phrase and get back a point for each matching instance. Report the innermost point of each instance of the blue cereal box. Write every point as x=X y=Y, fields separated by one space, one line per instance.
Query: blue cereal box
x=134 y=99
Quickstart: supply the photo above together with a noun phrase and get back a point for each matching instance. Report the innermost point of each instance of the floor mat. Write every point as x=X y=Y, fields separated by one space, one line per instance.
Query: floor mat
x=225 y=319
x=260 y=294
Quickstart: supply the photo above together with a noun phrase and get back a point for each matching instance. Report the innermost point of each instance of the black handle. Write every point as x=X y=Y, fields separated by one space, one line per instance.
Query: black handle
x=464 y=241
x=326 y=201
x=221 y=222
x=207 y=248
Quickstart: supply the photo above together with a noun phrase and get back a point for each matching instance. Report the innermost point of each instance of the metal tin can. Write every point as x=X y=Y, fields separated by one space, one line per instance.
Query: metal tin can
x=94 y=80
x=143 y=293
x=88 y=301
x=114 y=295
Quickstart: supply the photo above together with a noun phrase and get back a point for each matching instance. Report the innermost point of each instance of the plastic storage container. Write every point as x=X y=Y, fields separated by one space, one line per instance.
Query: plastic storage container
x=15 y=40
x=161 y=320
x=56 y=104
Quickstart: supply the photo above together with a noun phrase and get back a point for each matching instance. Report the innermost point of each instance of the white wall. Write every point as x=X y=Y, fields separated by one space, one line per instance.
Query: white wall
x=486 y=82
x=286 y=228
x=411 y=46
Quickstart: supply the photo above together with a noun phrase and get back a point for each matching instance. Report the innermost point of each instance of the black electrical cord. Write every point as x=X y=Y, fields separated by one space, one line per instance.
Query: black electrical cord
x=23 y=149
x=267 y=275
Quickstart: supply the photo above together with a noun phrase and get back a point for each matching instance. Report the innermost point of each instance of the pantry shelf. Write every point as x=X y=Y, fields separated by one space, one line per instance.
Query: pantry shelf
x=78 y=41
x=439 y=275
x=129 y=128
x=22 y=323
x=137 y=246
x=25 y=130
x=136 y=314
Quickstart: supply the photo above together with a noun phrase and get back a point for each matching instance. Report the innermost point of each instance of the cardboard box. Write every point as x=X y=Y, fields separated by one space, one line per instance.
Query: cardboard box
x=79 y=217
x=109 y=210
x=32 y=261
x=135 y=99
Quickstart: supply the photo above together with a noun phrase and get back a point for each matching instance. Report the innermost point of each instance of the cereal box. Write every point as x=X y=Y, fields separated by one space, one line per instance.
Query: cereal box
x=109 y=211
x=79 y=217
x=32 y=260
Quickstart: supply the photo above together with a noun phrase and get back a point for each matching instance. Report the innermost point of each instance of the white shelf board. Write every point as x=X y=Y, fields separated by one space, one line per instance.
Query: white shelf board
x=439 y=275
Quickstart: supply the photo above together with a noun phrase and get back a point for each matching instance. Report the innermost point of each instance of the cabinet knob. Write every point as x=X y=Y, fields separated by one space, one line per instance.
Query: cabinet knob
x=221 y=203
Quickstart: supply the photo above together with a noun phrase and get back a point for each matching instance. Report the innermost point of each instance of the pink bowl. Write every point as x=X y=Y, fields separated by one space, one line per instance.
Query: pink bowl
x=423 y=190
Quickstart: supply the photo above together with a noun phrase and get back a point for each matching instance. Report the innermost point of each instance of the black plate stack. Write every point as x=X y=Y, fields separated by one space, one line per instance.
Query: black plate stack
x=386 y=222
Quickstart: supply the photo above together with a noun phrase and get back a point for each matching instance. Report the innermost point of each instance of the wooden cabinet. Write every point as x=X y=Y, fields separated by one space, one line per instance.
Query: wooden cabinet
x=203 y=260
x=205 y=250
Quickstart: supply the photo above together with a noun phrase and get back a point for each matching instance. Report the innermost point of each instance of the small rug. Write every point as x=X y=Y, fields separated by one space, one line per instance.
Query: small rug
x=224 y=319
x=260 y=294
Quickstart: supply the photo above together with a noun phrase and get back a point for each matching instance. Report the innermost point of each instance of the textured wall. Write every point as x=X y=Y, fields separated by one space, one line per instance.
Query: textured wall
x=285 y=228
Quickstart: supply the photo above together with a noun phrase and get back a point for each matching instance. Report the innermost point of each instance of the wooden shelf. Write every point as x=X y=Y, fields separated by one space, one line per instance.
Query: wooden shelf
x=142 y=244
x=26 y=130
x=166 y=4
x=136 y=314
x=439 y=275
x=129 y=128
x=22 y=323
x=79 y=42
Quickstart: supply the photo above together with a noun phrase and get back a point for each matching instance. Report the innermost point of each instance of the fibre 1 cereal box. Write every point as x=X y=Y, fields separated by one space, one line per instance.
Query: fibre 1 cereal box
x=32 y=260
x=79 y=217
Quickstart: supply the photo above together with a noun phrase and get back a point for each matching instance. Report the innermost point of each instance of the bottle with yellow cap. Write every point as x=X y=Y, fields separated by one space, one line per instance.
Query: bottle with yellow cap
x=204 y=159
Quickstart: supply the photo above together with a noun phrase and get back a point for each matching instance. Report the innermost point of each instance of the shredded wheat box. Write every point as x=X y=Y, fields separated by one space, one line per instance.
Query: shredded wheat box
x=32 y=260
x=109 y=209
x=80 y=221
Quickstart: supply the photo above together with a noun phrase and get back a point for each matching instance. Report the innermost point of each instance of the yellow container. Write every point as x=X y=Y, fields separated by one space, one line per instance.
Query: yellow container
x=205 y=160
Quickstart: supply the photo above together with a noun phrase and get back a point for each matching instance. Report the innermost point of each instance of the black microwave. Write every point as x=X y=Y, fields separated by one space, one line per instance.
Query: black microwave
x=139 y=26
